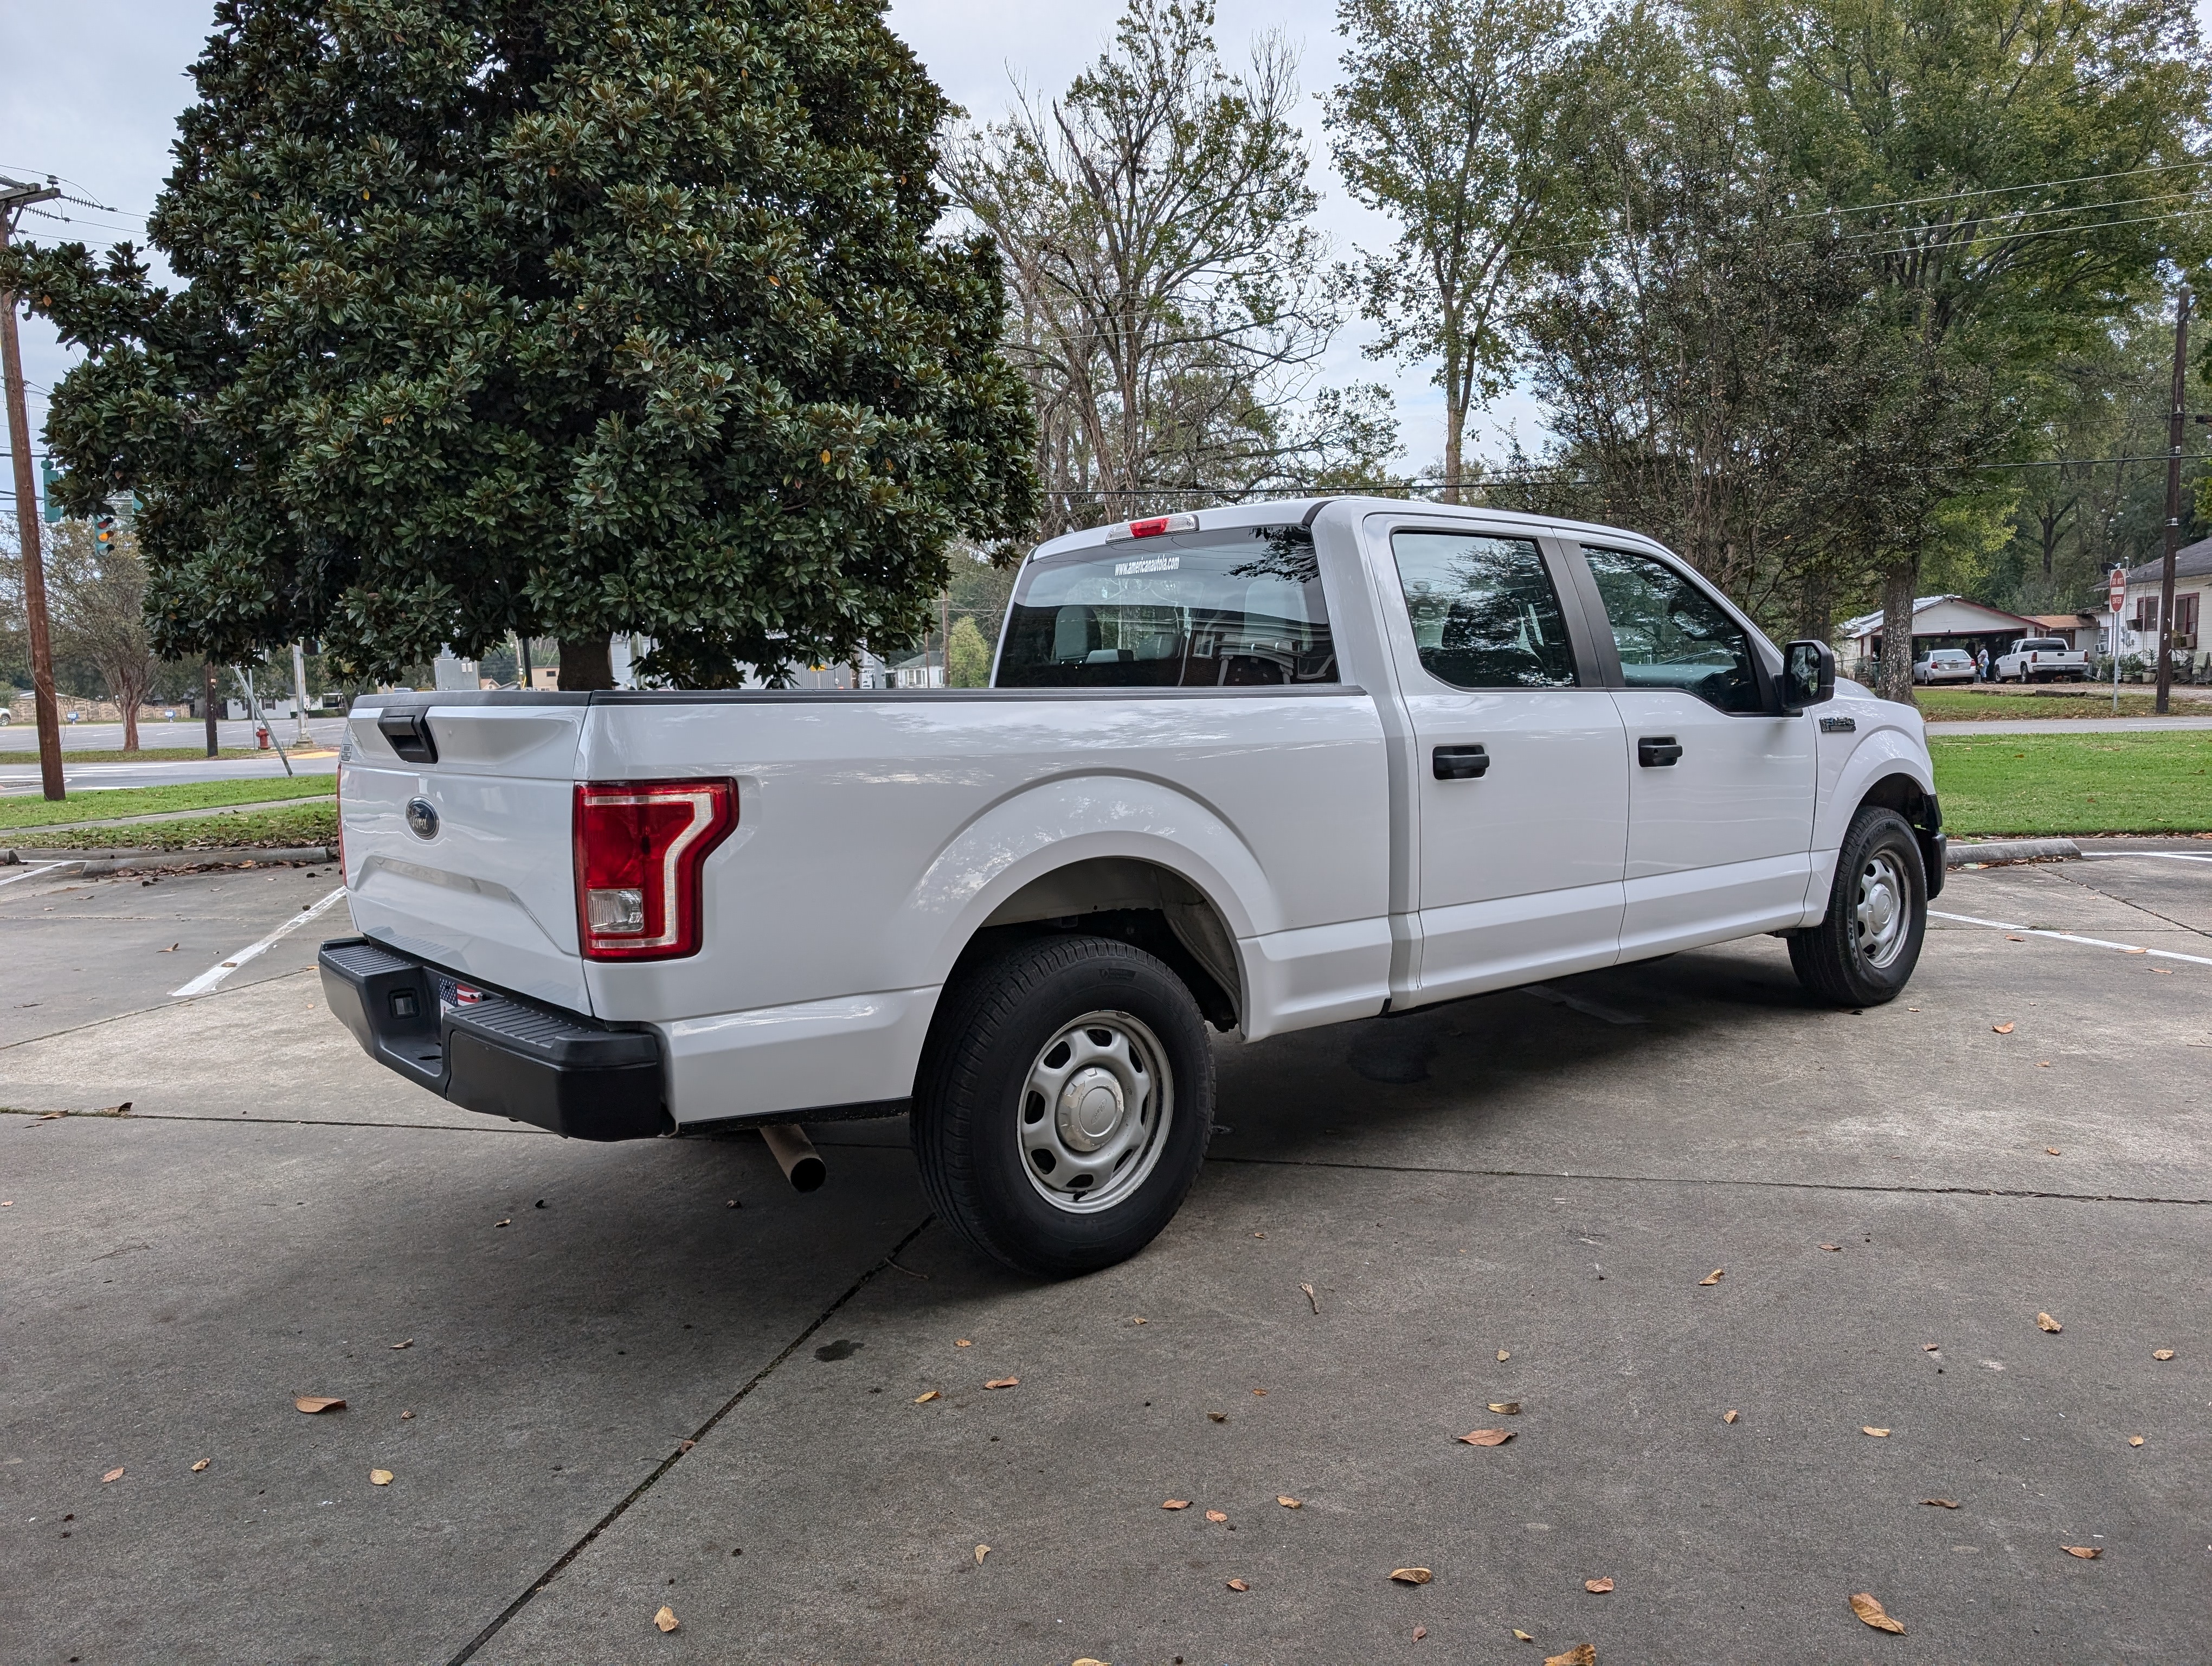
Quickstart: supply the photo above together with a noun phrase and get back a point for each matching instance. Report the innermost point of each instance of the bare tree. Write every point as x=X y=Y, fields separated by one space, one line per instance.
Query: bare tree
x=1168 y=297
x=98 y=594
x=1459 y=119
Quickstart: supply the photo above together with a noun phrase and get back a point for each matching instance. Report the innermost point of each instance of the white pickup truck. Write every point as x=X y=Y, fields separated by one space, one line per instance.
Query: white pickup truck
x=2041 y=659
x=1266 y=767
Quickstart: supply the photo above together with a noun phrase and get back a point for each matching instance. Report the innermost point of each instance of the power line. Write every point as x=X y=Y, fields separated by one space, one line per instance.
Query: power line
x=1998 y=191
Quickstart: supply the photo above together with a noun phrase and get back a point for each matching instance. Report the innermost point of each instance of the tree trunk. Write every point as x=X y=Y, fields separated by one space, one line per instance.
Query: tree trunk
x=1898 y=580
x=586 y=663
x=130 y=721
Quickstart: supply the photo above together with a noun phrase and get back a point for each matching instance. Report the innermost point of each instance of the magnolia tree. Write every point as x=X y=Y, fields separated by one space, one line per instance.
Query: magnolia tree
x=560 y=317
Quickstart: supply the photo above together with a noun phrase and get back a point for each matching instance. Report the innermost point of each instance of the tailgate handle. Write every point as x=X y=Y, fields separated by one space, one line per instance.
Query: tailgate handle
x=1657 y=752
x=1459 y=762
x=409 y=735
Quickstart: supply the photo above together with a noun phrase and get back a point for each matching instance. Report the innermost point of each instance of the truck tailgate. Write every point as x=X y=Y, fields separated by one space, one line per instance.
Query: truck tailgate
x=480 y=878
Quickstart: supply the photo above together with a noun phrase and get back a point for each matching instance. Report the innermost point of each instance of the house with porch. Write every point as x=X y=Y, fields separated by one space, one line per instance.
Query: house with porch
x=2192 y=578
x=1939 y=622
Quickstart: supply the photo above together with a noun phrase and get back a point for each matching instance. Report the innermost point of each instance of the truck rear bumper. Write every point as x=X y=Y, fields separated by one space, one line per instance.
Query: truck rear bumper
x=486 y=1051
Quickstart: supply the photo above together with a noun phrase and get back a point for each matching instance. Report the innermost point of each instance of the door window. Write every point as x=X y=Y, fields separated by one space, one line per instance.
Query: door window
x=1671 y=635
x=1483 y=612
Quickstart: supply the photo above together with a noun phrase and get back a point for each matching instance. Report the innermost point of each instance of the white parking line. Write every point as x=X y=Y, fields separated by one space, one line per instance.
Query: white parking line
x=2069 y=936
x=2154 y=855
x=30 y=873
x=214 y=975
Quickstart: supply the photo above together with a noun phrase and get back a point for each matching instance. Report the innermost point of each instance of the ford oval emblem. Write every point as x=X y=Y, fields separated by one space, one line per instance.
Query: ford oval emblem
x=422 y=819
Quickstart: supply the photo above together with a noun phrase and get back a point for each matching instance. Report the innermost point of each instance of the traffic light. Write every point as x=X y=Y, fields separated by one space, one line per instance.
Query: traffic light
x=51 y=479
x=105 y=527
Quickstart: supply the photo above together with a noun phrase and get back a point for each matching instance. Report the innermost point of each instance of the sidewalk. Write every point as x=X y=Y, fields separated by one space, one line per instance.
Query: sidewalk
x=2070 y=726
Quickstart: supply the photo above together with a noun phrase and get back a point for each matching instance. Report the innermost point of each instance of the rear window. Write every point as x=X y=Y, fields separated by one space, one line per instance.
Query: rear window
x=2042 y=645
x=1240 y=608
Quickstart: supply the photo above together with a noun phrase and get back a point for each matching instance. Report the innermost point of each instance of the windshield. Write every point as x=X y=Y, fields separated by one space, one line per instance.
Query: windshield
x=1238 y=608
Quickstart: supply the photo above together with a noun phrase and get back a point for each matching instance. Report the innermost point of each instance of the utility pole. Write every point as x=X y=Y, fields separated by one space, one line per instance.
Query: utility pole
x=15 y=195
x=2173 y=501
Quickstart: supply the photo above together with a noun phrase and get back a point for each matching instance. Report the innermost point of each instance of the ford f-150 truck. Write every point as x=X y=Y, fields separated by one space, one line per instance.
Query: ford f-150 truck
x=1263 y=768
x=2041 y=659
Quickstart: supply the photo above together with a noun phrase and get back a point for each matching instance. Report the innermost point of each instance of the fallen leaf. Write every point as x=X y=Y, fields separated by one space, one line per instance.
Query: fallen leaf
x=1582 y=1654
x=380 y=1478
x=1215 y=1516
x=924 y=1399
x=665 y=1619
x=963 y=1343
x=1714 y=1277
x=1506 y=1407
x=1832 y=1247
x=409 y=1343
x=510 y=1222
x=201 y=1465
x=1175 y=1504
x=2135 y=952
x=2162 y=1354
x=404 y=1416
x=317 y=1402
x=1502 y=1356
x=1262 y=1393
x=1412 y=1575
x=1942 y=1503
x=2135 y=1440
x=1088 y=1661
x=2051 y=1151
x=1929 y=1347
x=1597 y=1587
x=172 y=949
x=2009 y=938
x=1219 y=1417
x=2086 y=1553
x=1487 y=1438
x=1873 y=1613
x=1727 y=1417
x=982 y=1551
x=1139 y=1320
x=2044 y=1322
x=1420 y=1632
x=685 y=1446
x=1310 y=1296
x=1868 y=1429
x=1004 y=1383
x=2045 y=1065
x=1290 y=1503
x=1239 y=1585
x=113 y=1475
x=1523 y=1636
x=2002 y=1029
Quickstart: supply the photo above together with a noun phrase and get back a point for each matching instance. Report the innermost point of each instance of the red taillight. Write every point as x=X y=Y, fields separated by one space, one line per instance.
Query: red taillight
x=1152 y=528
x=640 y=845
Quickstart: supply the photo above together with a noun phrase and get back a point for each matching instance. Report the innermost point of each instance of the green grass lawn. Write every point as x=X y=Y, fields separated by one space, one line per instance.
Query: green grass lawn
x=94 y=805
x=2089 y=783
x=289 y=826
x=1957 y=705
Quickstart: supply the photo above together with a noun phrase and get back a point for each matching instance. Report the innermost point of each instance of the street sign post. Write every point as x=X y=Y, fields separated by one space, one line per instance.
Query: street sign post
x=2117 y=596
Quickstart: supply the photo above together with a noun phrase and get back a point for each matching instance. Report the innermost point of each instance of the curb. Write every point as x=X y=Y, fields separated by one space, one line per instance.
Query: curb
x=2011 y=850
x=94 y=864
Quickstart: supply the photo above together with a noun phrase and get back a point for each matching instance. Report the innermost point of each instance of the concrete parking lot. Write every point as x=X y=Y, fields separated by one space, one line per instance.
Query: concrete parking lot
x=608 y=1379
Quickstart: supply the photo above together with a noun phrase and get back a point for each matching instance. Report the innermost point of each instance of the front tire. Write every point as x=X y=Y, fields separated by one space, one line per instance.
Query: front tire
x=1064 y=1103
x=1863 y=950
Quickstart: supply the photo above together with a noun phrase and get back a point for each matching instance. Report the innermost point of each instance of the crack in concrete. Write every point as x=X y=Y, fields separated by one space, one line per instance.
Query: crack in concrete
x=669 y=1463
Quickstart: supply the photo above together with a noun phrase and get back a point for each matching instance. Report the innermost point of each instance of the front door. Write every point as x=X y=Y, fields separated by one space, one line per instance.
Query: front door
x=1720 y=797
x=1520 y=775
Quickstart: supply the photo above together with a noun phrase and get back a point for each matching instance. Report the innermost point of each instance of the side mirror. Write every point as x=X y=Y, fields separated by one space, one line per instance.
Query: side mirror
x=1809 y=675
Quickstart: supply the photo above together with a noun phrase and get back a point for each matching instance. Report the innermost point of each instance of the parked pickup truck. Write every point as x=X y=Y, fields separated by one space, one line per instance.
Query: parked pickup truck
x=2041 y=659
x=1261 y=768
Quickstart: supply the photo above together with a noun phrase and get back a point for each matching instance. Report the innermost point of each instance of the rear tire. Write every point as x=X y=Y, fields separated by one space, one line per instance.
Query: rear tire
x=1064 y=1103
x=1863 y=950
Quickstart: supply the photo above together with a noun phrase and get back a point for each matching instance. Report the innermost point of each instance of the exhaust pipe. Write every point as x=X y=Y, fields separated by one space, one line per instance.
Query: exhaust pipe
x=794 y=1152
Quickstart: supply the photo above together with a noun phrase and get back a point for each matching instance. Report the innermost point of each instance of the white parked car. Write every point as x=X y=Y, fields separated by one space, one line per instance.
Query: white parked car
x=1944 y=664
x=2041 y=659
x=1264 y=767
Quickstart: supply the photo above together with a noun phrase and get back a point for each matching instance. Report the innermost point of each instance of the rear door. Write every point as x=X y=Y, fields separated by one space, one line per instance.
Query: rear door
x=1720 y=795
x=1519 y=778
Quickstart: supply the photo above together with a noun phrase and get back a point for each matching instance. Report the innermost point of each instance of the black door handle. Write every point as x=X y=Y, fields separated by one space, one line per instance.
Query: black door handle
x=1657 y=752
x=1459 y=762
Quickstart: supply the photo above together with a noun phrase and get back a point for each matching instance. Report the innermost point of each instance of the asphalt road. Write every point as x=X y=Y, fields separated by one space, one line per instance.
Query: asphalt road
x=19 y=755
x=531 y=1335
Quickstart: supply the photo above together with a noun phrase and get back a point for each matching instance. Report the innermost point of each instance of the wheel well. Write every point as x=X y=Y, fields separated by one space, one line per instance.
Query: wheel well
x=1140 y=903
x=1903 y=794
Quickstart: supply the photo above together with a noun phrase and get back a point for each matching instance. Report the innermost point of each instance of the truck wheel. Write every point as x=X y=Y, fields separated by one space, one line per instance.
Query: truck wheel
x=1064 y=1103
x=1865 y=948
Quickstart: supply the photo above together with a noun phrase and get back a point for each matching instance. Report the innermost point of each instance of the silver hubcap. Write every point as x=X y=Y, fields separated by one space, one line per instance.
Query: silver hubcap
x=1095 y=1112
x=1882 y=909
